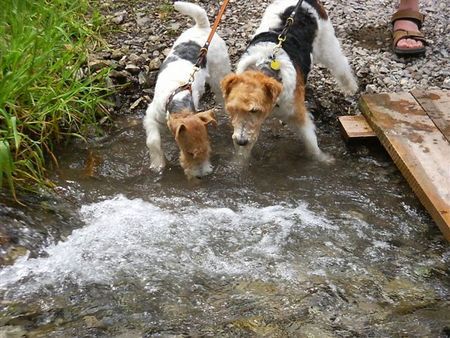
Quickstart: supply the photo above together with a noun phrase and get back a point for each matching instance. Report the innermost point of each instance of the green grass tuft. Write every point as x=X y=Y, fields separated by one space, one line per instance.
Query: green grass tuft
x=44 y=99
x=165 y=10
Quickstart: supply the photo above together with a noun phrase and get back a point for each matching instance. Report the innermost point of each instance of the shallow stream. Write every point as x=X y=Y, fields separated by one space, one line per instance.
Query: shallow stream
x=285 y=248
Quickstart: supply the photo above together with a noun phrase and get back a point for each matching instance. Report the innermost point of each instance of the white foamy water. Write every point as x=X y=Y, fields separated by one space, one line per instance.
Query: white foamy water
x=124 y=238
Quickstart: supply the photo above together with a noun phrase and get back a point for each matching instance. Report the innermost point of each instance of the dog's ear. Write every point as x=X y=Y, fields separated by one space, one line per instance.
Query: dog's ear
x=180 y=129
x=176 y=128
x=227 y=83
x=273 y=88
x=208 y=117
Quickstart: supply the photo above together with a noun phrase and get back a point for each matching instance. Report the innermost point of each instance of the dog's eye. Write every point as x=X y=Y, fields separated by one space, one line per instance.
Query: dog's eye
x=255 y=111
x=191 y=154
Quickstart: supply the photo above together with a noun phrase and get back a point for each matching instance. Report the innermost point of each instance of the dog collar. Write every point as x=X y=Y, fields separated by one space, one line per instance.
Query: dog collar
x=175 y=92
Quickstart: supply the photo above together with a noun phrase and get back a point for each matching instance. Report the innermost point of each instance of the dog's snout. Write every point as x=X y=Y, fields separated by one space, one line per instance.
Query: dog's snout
x=241 y=141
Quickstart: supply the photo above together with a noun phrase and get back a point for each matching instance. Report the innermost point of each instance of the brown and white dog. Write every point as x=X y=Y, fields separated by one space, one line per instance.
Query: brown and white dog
x=177 y=107
x=258 y=89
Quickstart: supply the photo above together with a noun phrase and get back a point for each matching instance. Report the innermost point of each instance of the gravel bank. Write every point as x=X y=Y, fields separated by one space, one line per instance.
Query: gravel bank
x=143 y=31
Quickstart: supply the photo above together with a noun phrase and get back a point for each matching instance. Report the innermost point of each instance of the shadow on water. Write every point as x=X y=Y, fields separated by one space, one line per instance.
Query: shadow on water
x=286 y=247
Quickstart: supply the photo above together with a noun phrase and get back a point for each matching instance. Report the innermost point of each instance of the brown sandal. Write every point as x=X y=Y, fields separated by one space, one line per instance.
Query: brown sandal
x=399 y=34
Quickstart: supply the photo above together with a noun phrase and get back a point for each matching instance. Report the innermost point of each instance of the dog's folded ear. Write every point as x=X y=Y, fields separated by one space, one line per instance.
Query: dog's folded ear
x=176 y=127
x=273 y=88
x=208 y=117
x=180 y=129
x=228 y=82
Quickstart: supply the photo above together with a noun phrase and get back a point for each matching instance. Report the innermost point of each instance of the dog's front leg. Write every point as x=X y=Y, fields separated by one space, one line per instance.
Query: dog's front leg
x=157 y=159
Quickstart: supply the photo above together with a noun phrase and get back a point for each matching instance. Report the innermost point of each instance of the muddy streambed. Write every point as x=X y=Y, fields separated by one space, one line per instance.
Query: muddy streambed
x=287 y=247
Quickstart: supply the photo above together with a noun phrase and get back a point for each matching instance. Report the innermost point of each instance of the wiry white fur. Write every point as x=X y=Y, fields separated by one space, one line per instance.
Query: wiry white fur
x=178 y=72
x=326 y=50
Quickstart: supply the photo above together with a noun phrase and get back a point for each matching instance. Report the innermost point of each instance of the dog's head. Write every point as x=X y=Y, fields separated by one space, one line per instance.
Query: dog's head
x=191 y=134
x=249 y=99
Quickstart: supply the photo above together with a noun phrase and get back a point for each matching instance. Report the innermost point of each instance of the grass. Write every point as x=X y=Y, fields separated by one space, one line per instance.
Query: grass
x=165 y=9
x=44 y=99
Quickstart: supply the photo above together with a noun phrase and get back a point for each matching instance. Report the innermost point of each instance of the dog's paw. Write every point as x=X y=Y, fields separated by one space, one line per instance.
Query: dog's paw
x=157 y=164
x=325 y=158
x=348 y=84
x=207 y=169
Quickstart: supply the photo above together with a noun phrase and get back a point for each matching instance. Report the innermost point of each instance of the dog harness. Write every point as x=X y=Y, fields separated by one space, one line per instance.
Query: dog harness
x=296 y=43
x=200 y=60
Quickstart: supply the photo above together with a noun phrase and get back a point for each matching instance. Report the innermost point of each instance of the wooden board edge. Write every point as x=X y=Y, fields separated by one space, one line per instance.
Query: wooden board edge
x=350 y=136
x=437 y=215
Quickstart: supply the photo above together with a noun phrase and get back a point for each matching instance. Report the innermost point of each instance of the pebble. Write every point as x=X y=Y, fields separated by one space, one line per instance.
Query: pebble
x=155 y=64
x=119 y=18
x=96 y=65
x=121 y=76
x=446 y=83
x=133 y=69
x=371 y=88
x=143 y=21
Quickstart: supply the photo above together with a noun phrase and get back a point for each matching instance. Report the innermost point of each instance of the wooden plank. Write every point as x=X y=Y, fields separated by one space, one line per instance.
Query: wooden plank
x=436 y=104
x=355 y=127
x=418 y=148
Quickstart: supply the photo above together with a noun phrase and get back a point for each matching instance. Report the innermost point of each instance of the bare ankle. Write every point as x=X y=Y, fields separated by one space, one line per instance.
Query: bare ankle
x=414 y=5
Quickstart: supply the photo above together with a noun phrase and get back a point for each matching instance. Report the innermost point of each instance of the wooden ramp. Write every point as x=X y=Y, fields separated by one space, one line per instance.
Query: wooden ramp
x=415 y=129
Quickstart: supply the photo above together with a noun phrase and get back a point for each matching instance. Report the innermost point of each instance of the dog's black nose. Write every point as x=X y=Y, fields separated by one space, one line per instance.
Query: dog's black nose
x=242 y=141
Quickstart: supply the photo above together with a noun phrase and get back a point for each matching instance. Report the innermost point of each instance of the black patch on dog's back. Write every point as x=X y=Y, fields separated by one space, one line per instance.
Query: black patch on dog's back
x=167 y=61
x=299 y=41
x=189 y=51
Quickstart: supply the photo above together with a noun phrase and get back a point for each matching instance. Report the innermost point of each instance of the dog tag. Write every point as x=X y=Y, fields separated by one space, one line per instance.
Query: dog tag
x=275 y=65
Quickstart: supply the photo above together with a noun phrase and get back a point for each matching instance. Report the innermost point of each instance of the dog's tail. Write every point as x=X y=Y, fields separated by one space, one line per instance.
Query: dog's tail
x=194 y=11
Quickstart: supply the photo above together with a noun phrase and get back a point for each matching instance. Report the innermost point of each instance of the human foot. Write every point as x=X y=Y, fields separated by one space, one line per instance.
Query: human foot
x=407 y=39
x=409 y=26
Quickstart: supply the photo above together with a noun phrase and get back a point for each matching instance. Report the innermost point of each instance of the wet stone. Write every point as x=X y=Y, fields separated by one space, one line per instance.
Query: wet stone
x=133 y=69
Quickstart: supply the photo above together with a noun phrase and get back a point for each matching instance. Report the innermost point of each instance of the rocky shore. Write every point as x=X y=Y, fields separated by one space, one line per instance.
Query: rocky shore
x=142 y=32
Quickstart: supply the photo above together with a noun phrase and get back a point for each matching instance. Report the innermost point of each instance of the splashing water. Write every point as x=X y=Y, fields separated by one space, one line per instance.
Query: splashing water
x=125 y=237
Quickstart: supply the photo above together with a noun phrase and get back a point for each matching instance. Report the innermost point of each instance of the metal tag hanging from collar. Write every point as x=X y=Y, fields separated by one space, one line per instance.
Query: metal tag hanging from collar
x=275 y=64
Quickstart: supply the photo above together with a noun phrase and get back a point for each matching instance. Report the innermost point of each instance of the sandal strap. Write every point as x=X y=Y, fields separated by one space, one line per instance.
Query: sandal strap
x=409 y=14
x=403 y=34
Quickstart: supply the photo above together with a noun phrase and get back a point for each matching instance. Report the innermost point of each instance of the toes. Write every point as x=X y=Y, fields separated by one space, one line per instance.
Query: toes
x=409 y=43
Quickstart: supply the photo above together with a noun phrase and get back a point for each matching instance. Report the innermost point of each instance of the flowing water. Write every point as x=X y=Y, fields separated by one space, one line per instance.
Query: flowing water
x=284 y=248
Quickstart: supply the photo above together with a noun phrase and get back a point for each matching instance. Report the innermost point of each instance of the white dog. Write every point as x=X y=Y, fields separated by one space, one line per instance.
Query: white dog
x=178 y=108
x=266 y=82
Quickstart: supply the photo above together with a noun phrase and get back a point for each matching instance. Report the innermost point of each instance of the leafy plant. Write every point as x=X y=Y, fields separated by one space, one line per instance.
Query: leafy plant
x=44 y=98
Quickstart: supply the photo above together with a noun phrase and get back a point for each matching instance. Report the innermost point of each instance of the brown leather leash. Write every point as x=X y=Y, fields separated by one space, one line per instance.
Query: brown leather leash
x=202 y=54
x=204 y=49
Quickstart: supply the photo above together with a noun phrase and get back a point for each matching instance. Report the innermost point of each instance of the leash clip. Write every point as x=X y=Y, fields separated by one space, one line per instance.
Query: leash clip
x=192 y=76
